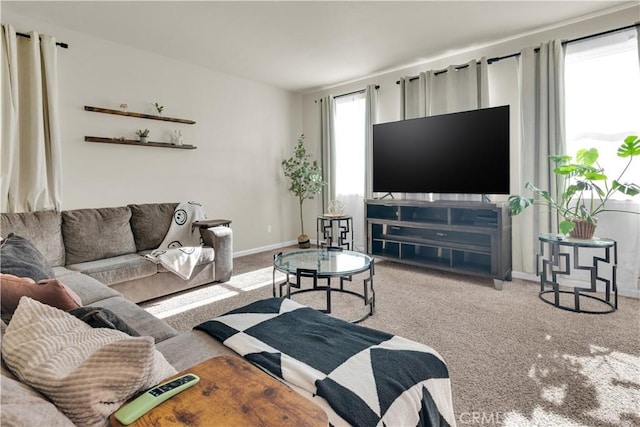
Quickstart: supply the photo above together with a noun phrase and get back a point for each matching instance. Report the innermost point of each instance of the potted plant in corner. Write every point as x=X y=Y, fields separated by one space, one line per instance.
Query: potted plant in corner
x=306 y=181
x=143 y=135
x=585 y=189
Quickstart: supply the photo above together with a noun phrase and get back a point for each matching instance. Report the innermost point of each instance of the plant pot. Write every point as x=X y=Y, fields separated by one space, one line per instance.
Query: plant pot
x=144 y=139
x=583 y=229
x=303 y=241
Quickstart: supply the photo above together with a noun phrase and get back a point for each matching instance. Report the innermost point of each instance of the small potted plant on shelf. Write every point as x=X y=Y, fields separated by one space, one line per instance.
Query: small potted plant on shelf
x=306 y=181
x=143 y=135
x=159 y=107
x=585 y=189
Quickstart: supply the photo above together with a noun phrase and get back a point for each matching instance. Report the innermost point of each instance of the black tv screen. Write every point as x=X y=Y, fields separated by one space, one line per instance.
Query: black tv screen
x=465 y=153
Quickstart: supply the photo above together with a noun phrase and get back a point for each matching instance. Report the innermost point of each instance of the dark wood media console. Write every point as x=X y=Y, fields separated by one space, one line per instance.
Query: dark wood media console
x=464 y=237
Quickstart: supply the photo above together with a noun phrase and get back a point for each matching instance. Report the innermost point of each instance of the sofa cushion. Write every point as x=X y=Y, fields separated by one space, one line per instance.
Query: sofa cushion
x=190 y=348
x=88 y=289
x=117 y=269
x=91 y=234
x=100 y=317
x=23 y=405
x=207 y=255
x=87 y=373
x=143 y=322
x=50 y=291
x=21 y=258
x=42 y=228
x=150 y=223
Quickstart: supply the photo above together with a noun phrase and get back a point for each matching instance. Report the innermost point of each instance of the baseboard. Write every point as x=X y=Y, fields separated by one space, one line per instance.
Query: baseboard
x=269 y=248
x=525 y=276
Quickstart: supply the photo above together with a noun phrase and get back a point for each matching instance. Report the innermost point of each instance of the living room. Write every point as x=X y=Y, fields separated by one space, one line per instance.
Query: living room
x=244 y=127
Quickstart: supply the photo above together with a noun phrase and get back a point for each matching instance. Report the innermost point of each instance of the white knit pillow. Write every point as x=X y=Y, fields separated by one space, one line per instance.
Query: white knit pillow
x=87 y=373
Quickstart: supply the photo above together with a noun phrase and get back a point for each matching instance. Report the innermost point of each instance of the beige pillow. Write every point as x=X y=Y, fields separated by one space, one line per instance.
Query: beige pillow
x=87 y=373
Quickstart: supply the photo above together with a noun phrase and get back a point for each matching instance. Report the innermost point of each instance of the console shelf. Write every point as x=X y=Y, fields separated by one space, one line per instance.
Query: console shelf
x=463 y=237
x=138 y=115
x=136 y=142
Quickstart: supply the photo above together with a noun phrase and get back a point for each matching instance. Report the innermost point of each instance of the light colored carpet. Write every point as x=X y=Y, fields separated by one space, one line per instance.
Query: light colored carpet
x=513 y=360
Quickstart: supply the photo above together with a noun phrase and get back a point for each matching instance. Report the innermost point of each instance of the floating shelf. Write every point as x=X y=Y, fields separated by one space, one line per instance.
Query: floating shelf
x=136 y=142
x=138 y=115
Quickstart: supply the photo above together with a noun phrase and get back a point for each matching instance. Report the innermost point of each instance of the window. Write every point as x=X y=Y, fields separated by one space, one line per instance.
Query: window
x=602 y=81
x=350 y=159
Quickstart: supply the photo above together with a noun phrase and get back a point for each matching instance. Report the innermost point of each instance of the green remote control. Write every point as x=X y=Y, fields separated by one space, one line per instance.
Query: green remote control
x=153 y=397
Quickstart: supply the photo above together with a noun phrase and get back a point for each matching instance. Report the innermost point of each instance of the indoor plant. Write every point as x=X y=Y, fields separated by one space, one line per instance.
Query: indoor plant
x=143 y=135
x=306 y=181
x=585 y=189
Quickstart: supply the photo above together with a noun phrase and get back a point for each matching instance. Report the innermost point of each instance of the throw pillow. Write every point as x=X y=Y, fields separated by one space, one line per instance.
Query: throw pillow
x=99 y=317
x=87 y=373
x=150 y=223
x=49 y=291
x=21 y=258
x=91 y=234
x=42 y=228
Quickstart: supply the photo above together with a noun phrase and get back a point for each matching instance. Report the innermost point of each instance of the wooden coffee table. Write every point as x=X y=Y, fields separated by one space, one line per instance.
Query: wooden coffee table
x=232 y=392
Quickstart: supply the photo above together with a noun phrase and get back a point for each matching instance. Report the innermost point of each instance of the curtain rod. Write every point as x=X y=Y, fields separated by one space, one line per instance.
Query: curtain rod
x=354 y=92
x=62 y=45
x=498 y=58
x=350 y=93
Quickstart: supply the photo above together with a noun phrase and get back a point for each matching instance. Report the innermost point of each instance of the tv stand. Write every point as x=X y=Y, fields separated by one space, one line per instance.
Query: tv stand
x=463 y=237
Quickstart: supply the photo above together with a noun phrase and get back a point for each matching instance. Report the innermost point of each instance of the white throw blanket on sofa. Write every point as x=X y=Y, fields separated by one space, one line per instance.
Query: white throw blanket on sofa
x=181 y=249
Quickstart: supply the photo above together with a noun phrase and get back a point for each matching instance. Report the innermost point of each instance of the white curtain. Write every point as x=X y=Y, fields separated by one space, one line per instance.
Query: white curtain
x=458 y=88
x=541 y=74
x=370 y=119
x=327 y=147
x=31 y=147
x=347 y=153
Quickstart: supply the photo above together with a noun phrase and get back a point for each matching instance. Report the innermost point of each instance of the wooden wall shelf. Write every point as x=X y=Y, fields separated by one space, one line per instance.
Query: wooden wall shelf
x=138 y=115
x=135 y=142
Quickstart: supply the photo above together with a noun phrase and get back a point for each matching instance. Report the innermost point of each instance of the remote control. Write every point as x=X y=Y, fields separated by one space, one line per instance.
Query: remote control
x=153 y=397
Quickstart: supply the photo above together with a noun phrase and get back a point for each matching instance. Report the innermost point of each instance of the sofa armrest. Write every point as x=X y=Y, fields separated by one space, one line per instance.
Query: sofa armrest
x=221 y=240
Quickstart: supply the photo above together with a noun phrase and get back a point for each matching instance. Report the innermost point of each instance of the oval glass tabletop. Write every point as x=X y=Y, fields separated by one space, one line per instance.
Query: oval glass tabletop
x=595 y=242
x=325 y=262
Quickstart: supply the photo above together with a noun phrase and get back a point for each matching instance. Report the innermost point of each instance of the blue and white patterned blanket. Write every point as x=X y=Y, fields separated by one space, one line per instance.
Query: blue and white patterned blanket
x=367 y=377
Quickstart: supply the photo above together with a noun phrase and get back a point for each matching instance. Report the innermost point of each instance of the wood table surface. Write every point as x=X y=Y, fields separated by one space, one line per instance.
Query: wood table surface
x=232 y=392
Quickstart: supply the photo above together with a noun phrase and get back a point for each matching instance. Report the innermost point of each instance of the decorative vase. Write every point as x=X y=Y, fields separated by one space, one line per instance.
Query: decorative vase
x=583 y=229
x=144 y=139
x=336 y=208
x=303 y=241
x=177 y=137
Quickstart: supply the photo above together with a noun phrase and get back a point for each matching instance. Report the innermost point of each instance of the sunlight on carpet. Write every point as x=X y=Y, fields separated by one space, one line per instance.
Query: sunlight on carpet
x=613 y=376
x=204 y=295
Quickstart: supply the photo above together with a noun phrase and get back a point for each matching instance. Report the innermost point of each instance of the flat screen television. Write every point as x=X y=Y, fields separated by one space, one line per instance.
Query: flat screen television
x=464 y=153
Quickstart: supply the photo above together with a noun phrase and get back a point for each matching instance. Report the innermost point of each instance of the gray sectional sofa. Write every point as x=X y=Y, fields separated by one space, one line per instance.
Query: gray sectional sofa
x=97 y=253
x=22 y=405
x=109 y=244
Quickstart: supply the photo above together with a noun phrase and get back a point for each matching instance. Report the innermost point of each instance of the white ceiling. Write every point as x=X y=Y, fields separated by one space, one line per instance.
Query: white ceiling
x=301 y=46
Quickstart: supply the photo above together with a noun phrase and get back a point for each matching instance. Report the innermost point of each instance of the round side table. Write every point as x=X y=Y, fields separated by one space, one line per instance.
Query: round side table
x=558 y=263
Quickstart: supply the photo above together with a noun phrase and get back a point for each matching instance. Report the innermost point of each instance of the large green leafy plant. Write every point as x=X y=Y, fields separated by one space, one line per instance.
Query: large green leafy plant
x=585 y=186
x=305 y=176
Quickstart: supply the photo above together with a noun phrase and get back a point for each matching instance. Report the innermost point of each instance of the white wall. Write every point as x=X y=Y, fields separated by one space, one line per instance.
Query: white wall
x=243 y=131
x=503 y=81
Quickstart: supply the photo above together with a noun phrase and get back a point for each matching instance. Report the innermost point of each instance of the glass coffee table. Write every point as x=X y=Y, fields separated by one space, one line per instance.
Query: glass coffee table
x=318 y=265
